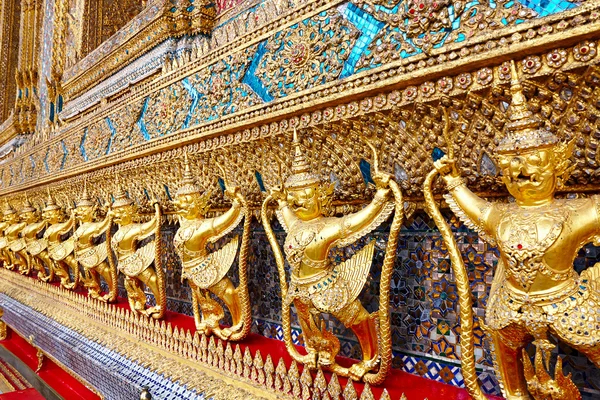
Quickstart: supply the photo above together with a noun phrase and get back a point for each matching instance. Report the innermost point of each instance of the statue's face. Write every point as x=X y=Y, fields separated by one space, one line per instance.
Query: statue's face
x=188 y=206
x=52 y=216
x=29 y=217
x=84 y=213
x=124 y=214
x=11 y=218
x=305 y=202
x=529 y=176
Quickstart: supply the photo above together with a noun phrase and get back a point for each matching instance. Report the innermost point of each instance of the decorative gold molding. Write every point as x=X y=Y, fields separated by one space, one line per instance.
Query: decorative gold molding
x=214 y=367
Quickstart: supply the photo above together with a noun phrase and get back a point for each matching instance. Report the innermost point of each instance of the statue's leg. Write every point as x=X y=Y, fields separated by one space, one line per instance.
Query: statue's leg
x=18 y=261
x=7 y=258
x=355 y=317
x=135 y=295
x=70 y=263
x=92 y=283
x=225 y=291
x=150 y=279
x=51 y=264
x=200 y=326
x=212 y=312
x=43 y=261
x=104 y=270
x=508 y=347
x=25 y=262
x=310 y=332
x=62 y=273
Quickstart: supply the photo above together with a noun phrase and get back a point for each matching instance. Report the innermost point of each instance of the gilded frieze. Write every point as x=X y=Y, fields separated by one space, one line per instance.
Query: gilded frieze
x=209 y=124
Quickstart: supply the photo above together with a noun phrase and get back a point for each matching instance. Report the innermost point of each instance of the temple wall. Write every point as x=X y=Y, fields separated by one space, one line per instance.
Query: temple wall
x=338 y=72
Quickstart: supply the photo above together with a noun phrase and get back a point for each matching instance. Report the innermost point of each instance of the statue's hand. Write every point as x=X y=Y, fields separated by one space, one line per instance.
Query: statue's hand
x=446 y=167
x=234 y=193
x=278 y=194
x=382 y=179
x=152 y=199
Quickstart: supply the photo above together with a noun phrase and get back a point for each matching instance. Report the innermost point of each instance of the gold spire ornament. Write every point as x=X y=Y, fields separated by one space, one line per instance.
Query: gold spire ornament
x=319 y=286
x=92 y=256
x=535 y=291
x=206 y=272
x=84 y=200
x=301 y=176
x=134 y=261
x=524 y=131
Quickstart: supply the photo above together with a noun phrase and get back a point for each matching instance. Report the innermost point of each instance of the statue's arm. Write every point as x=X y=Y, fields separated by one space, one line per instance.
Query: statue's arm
x=66 y=226
x=147 y=229
x=40 y=225
x=368 y=218
x=228 y=218
x=103 y=226
x=474 y=211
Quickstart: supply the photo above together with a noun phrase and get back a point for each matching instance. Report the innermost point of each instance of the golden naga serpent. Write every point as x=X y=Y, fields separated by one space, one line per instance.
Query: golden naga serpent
x=385 y=335
x=242 y=288
x=462 y=283
x=113 y=290
x=158 y=265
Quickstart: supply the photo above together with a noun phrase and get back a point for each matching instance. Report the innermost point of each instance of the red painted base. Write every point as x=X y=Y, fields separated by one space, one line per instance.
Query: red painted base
x=397 y=382
x=27 y=394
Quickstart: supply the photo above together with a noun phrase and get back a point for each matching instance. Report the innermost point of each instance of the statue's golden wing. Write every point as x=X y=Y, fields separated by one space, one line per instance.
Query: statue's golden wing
x=355 y=270
x=222 y=259
x=147 y=253
x=226 y=231
x=384 y=214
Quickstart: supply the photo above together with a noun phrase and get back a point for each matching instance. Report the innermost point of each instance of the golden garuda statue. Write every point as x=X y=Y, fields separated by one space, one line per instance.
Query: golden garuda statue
x=16 y=236
x=60 y=252
x=535 y=291
x=316 y=284
x=37 y=247
x=207 y=272
x=92 y=256
x=9 y=217
x=135 y=261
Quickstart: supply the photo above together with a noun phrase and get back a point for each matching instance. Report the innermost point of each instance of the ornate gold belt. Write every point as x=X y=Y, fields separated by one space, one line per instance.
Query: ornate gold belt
x=545 y=297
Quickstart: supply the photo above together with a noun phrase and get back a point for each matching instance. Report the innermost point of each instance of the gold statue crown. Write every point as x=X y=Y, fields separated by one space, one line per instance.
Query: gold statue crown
x=84 y=200
x=188 y=183
x=8 y=209
x=27 y=207
x=51 y=204
x=301 y=175
x=121 y=197
x=524 y=131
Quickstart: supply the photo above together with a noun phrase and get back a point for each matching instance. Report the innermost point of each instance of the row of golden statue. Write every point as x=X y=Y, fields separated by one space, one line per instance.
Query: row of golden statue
x=535 y=292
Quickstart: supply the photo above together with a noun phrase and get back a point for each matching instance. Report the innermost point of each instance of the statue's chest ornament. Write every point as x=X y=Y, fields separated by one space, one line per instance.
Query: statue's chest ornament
x=296 y=242
x=524 y=238
x=119 y=236
x=182 y=236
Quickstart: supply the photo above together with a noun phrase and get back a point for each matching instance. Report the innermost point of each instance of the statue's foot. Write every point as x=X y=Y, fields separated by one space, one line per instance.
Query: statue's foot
x=69 y=286
x=227 y=332
x=203 y=328
x=358 y=370
x=309 y=360
x=44 y=278
x=152 y=312
x=326 y=359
